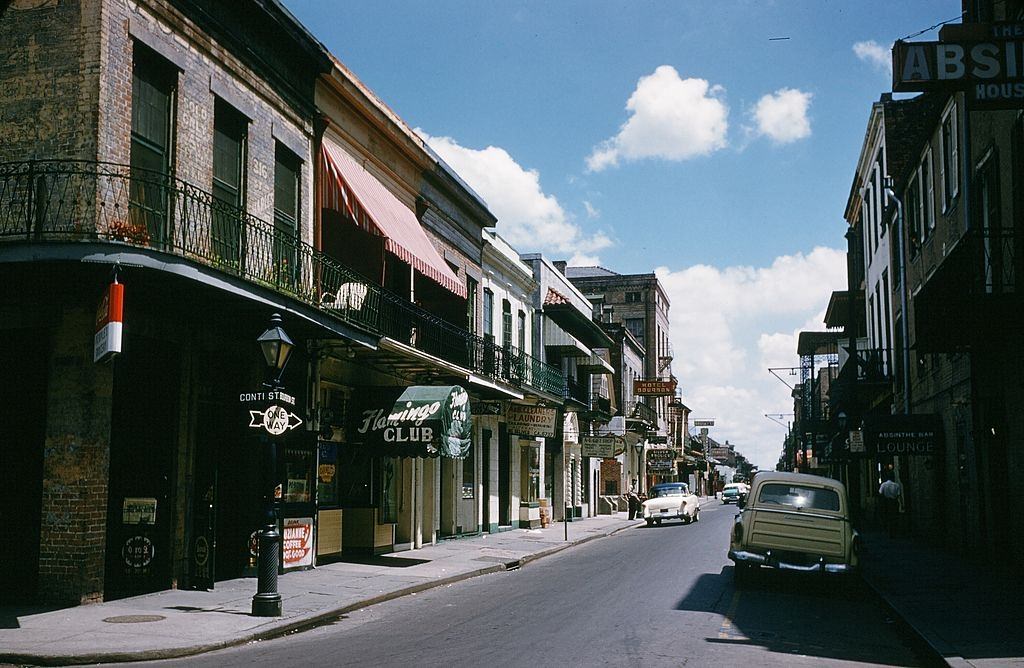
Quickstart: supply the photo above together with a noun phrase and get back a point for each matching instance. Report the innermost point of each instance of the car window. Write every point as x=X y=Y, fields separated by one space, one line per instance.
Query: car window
x=798 y=496
x=674 y=490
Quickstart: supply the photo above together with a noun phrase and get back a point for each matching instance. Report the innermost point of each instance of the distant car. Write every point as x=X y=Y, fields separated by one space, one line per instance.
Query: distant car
x=671 y=501
x=733 y=492
x=794 y=522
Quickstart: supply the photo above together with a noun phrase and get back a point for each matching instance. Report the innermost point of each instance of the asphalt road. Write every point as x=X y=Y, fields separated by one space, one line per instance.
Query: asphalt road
x=647 y=596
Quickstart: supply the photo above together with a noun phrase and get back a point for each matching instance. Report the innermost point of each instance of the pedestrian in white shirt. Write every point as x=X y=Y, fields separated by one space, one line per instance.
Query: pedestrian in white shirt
x=889 y=494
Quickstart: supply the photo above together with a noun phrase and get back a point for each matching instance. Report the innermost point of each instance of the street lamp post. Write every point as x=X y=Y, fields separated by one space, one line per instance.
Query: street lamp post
x=277 y=347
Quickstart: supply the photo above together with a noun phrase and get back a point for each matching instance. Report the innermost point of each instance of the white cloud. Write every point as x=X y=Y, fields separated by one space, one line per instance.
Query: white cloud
x=528 y=218
x=782 y=116
x=671 y=118
x=875 y=54
x=729 y=325
x=592 y=212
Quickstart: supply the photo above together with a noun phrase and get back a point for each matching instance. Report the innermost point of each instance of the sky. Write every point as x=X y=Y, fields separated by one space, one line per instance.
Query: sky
x=713 y=142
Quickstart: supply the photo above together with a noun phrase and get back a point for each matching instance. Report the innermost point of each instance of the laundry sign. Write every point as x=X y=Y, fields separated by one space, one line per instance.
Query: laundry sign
x=531 y=420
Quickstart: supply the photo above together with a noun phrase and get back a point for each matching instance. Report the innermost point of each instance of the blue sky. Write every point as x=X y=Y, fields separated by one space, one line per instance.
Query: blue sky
x=683 y=137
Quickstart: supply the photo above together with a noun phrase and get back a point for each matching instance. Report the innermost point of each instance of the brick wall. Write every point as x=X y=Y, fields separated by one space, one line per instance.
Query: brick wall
x=76 y=461
x=49 y=72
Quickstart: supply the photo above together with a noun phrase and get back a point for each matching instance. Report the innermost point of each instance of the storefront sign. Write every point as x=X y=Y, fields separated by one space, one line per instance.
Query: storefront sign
x=857 y=442
x=657 y=439
x=297 y=542
x=598 y=446
x=424 y=421
x=654 y=388
x=957 y=65
x=486 y=407
x=138 y=553
x=704 y=423
x=109 y=323
x=531 y=420
x=660 y=459
x=891 y=435
x=136 y=510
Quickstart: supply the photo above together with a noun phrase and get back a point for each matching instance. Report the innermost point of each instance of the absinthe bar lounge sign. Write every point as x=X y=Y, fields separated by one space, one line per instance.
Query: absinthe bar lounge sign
x=986 y=61
x=891 y=435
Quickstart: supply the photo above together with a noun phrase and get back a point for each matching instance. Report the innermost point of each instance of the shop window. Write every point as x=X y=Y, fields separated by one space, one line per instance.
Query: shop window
x=388 y=503
x=298 y=464
x=327 y=476
x=355 y=488
x=469 y=474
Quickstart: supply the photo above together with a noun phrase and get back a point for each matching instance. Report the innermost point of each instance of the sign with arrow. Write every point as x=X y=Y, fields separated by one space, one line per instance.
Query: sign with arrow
x=276 y=420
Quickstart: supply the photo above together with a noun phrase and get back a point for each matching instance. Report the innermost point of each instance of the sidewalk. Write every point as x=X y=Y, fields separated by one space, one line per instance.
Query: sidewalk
x=181 y=622
x=966 y=616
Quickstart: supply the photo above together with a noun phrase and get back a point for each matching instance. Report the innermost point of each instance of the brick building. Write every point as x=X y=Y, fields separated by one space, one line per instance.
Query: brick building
x=180 y=149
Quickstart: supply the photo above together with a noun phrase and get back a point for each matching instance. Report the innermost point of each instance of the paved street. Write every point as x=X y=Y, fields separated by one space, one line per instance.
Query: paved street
x=659 y=596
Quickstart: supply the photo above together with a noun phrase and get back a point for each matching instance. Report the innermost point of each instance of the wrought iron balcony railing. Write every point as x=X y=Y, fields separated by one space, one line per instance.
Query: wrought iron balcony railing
x=578 y=391
x=873 y=365
x=65 y=201
x=639 y=410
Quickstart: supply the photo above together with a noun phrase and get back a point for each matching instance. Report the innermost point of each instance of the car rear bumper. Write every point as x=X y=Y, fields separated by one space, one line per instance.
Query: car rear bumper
x=768 y=560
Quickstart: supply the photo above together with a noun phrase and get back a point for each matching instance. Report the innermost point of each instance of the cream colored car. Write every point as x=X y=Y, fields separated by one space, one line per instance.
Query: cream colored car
x=794 y=522
x=671 y=501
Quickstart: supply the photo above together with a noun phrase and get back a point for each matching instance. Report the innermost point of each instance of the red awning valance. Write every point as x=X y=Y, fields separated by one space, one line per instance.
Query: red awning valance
x=349 y=188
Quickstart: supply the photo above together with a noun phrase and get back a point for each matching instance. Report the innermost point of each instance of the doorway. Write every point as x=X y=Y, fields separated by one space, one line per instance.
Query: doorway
x=143 y=441
x=504 y=477
x=23 y=412
x=485 y=478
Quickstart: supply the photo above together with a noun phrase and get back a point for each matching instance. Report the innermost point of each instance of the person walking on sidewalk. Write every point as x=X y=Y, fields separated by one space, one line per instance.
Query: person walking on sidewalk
x=889 y=493
x=633 y=499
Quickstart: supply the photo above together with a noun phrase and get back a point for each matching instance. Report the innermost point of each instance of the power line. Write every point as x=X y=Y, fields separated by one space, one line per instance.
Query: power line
x=937 y=25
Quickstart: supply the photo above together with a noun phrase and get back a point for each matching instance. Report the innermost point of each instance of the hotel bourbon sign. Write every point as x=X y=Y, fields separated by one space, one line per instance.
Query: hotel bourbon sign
x=654 y=388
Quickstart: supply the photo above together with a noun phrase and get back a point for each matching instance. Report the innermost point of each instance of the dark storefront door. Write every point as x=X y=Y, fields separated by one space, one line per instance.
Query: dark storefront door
x=23 y=414
x=143 y=442
x=504 y=477
x=485 y=477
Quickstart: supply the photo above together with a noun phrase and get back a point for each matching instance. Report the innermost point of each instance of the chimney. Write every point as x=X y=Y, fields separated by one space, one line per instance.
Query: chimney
x=560 y=265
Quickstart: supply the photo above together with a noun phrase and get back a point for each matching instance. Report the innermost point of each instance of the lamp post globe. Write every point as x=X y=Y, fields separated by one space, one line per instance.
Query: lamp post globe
x=276 y=346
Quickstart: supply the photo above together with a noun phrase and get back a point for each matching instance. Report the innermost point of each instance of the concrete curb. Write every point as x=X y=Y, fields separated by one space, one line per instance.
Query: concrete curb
x=300 y=623
x=940 y=653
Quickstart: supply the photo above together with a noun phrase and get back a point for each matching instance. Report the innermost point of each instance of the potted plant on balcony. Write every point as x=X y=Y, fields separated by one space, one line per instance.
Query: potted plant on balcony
x=125 y=230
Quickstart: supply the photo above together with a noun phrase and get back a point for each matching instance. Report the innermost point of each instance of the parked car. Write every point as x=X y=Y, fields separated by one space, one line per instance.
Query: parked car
x=671 y=501
x=733 y=492
x=794 y=522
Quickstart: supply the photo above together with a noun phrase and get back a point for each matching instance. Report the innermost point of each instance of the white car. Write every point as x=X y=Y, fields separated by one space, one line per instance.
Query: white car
x=671 y=501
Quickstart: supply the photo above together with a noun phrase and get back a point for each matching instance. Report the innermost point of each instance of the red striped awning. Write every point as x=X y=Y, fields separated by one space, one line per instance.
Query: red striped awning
x=347 y=187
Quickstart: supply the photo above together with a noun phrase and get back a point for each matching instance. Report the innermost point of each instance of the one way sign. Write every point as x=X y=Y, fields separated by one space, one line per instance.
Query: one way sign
x=275 y=419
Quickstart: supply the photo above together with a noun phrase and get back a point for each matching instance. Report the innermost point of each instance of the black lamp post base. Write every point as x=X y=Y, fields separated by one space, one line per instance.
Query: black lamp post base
x=267 y=605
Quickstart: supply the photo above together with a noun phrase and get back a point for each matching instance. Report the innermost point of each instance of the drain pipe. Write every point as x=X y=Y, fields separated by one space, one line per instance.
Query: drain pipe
x=904 y=324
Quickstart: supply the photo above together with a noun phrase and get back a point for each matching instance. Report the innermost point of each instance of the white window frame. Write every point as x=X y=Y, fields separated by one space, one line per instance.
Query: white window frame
x=928 y=192
x=951 y=171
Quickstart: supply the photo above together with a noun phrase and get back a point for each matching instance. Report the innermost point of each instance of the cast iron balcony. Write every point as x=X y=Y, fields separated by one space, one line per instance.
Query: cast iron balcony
x=640 y=411
x=84 y=201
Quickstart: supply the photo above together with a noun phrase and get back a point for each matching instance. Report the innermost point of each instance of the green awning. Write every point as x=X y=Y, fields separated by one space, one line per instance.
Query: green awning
x=424 y=421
